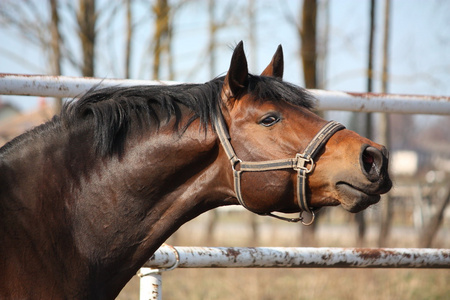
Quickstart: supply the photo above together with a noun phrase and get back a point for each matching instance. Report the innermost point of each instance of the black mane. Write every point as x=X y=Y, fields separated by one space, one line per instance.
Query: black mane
x=112 y=110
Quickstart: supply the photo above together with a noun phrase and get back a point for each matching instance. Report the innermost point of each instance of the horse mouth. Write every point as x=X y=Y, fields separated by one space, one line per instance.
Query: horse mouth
x=354 y=198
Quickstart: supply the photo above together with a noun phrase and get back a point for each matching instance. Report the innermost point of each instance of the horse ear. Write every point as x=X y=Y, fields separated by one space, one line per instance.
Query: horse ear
x=237 y=75
x=276 y=66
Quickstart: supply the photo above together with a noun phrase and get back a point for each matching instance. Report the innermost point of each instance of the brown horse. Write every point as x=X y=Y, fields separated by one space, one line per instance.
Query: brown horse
x=86 y=198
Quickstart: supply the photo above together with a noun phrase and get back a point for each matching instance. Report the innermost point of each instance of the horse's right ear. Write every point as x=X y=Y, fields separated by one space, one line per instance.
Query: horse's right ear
x=276 y=66
x=237 y=76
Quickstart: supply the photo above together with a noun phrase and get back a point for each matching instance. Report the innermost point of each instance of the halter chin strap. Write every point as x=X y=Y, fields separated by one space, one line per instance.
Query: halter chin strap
x=302 y=163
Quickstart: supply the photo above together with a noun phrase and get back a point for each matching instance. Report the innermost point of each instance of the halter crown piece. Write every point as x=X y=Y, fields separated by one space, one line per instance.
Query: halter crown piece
x=299 y=163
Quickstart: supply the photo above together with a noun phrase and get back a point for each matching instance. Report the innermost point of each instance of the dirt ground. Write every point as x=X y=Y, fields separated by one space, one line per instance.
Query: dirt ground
x=236 y=230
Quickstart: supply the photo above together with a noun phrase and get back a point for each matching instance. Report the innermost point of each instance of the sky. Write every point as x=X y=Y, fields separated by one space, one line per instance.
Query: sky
x=419 y=44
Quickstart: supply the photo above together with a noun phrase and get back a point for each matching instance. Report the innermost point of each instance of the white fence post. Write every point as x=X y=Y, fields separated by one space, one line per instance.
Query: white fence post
x=150 y=284
x=151 y=278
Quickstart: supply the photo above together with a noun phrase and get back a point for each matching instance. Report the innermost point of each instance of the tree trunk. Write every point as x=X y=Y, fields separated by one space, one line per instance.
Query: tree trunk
x=87 y=19
x=430 y=230
x=360 y=217
x=55 y=48
x=384 y=127
x=370 y=65
x=213 y=28
x=129 y=28
x=308 y=51
x=161 y=37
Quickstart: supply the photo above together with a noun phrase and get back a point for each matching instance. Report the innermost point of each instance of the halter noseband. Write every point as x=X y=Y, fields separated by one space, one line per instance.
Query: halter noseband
x=299 y=163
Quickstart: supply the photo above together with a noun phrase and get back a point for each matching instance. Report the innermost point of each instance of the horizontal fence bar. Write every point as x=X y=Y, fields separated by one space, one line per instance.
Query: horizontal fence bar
x=275 y=257
x=70 y=87
x=60 y=86
x=386 y=103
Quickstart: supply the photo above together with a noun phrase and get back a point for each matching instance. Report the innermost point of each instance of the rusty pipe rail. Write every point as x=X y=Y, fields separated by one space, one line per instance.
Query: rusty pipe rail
x=167 y=258
x=64 y=86
x=60 y=86
x=379 y=102
x=275 y=257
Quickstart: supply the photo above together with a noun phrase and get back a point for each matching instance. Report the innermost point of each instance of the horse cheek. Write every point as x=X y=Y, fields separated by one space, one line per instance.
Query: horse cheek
x=268 y=191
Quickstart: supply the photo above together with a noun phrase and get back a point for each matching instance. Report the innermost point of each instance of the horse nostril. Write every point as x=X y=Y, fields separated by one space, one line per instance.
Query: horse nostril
x=371 y=163
x=368 y=161
x=368 y=158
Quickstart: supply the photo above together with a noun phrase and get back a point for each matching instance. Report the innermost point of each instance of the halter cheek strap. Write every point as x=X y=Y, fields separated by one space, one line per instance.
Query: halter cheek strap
x=302 y=163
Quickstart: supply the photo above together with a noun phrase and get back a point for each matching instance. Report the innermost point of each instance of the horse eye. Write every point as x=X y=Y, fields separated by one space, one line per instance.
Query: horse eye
x=269 y=121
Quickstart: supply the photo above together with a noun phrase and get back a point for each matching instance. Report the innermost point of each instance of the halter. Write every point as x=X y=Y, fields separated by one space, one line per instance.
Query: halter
x=299 y=163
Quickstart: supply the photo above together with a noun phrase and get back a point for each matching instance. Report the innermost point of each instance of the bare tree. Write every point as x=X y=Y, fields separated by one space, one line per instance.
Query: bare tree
x=308 y=51
x=213 y=29
x=56 y=38
x=384 y=126
x=87 y=18
x=309 y=55
x=307 y=32
x=22 y=16
x=162 y=37
x=366 y=117
x=129 y=36
x=45 y=34
x=430 y=230
x=55 y=46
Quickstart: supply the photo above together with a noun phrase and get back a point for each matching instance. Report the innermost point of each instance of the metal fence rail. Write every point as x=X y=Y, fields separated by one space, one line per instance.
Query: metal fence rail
x=275 y=257
x=60 y=86
x=168 y=258
x=64 y=86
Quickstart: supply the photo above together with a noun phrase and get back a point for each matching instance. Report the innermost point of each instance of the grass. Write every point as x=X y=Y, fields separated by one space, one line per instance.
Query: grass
x=278 y=284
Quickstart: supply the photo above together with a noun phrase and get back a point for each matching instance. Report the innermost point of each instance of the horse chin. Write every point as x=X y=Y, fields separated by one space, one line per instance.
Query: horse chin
x=354 y=199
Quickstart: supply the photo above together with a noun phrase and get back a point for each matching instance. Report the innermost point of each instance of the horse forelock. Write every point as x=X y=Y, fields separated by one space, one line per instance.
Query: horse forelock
x=264 y=88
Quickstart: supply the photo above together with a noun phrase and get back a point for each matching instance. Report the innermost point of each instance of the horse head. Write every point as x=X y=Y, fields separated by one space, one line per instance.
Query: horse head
x=270 y=123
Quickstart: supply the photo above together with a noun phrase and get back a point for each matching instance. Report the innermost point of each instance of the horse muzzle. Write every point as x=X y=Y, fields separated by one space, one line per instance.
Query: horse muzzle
x=357 y=192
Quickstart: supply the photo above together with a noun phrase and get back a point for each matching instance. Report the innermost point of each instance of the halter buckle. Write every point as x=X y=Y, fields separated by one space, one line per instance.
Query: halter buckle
x=301 y=161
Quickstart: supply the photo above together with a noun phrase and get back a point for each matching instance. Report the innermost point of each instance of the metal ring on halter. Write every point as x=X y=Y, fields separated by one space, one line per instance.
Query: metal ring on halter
x=311 y=168
x=312 y=218
x=238 y=161
x=174 y=266
x=305 y=160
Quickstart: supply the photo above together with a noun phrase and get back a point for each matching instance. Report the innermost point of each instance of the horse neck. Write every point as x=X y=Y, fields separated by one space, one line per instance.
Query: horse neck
x=160 y=183
x=34 y=219
x=94 y=221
